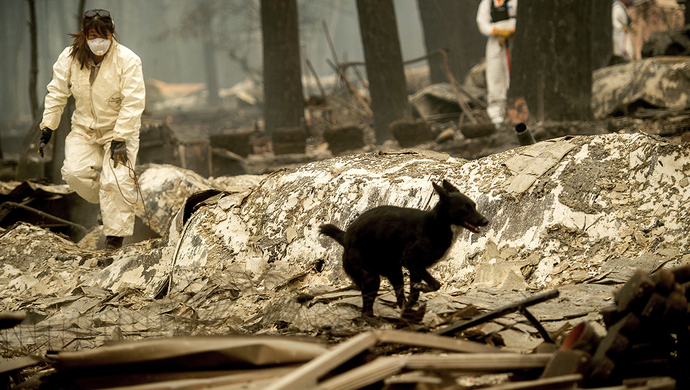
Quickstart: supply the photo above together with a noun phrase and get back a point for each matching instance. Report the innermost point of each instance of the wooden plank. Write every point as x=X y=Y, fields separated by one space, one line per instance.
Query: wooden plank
x=384 y=367
x=419 y=376
x=554 y=383
x=478 y=362
x=485 y=358
x=12 y=365
x=480 y=319
x=366 y=374
x=434 y=341
x=221 y=382
x=308 y=374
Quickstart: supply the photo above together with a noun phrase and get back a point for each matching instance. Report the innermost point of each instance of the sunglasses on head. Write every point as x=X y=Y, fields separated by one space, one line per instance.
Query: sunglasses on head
x=96 y=12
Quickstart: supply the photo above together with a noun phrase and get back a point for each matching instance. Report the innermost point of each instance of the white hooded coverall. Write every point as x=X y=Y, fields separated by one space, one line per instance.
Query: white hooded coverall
x=622 y=37
x=497 y=56
x=109 y=109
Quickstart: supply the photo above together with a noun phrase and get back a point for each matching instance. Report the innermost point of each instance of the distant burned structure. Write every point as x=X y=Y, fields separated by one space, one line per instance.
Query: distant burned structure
x=213 y=156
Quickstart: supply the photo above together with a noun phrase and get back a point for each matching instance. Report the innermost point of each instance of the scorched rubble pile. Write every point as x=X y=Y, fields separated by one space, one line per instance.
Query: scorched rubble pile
x=648 y=329
x=601 y=219
x=644 y=347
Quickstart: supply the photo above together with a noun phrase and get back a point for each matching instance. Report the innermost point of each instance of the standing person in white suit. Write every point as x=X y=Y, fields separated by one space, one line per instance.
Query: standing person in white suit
x=622 y=30
x=496 y=19
x=107 y=83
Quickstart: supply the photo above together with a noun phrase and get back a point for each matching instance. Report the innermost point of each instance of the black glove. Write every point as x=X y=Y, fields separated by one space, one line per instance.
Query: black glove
x=46 y=133
x=118 y=152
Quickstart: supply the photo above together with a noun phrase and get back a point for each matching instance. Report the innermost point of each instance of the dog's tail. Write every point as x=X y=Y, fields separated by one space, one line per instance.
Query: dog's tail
x=333 y=231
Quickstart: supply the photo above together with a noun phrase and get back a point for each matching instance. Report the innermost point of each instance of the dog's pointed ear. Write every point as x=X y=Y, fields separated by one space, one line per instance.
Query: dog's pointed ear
x=440 y=190
x=449 y=187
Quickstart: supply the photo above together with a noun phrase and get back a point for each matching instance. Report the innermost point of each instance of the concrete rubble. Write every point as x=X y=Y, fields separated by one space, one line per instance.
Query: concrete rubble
x=580 y=214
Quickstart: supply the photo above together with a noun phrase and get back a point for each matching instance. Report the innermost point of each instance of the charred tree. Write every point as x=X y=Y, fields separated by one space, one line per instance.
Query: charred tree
x=207 y=11
x=53 y=167
x=211 y=71
x=602 y=34
x=283 y=96
x=199 y=23
x=450 y=24
x=80 y=12
x=33 y=71
x=384 y=65
x=551 y=64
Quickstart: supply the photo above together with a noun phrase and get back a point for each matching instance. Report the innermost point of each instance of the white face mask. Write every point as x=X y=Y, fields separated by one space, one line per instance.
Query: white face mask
x=99 y=46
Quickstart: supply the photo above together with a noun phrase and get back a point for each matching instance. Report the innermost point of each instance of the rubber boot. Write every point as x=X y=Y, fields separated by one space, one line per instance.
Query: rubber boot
x=113 y=242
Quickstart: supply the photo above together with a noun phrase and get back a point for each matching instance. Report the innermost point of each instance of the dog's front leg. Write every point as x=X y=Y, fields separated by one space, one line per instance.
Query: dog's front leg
x=370 y=288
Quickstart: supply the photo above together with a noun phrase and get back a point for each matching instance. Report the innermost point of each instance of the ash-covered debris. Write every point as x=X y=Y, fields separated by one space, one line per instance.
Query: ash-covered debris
x=653 y=83
x=55 y=207
x=556 y=217
x=165 y=189
x=248 y=259
x=385 y=359
x=647 y=336
x=647 y=330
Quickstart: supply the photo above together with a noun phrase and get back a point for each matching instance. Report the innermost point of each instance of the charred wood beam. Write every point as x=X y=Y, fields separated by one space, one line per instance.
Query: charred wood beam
x=353 y=90
x=10 y=319
x=449 y=74
x=316 y=77
x=480 y=319
x=533 y=320
x=43 y=214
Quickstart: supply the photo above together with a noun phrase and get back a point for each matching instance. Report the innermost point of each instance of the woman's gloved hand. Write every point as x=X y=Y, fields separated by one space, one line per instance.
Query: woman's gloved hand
x=503 y=35
x=46 y=133
x=118 y=152
x=504 y=32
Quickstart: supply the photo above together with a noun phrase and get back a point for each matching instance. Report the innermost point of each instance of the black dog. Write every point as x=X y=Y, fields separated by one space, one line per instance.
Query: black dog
x=386 y=238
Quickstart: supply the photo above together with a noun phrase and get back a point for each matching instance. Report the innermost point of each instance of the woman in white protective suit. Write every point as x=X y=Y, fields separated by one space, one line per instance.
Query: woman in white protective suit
x=622 y=30
x=496 y=19
x=107 y=83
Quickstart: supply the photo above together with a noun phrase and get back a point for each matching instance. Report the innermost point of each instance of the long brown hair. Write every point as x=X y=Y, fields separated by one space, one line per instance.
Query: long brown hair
x=80 y=50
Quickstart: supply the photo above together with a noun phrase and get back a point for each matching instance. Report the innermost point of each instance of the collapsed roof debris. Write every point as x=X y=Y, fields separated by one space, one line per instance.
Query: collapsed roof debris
x=165 y=189
x=659 y=83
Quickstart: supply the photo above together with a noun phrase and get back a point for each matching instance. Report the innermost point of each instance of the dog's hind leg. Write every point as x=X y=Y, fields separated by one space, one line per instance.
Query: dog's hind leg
x=368 y=283
x=398 y=282
x=370 y=288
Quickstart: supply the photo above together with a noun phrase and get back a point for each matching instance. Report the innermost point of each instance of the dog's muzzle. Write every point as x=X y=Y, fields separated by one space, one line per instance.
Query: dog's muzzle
x=475 y=228
x=470 y=227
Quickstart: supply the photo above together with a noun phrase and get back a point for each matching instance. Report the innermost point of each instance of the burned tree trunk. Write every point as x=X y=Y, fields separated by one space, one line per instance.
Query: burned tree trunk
x=552 y=58
x=283 y=97
x=384 y=64
x=211 y=71
x=33 y=72
x=450 y=24
x=602 y=34
x=80 y=12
